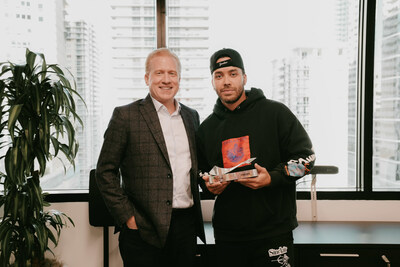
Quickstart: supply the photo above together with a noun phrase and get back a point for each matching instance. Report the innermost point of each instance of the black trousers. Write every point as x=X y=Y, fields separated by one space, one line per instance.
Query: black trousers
x=272 y=252
x=179 y=250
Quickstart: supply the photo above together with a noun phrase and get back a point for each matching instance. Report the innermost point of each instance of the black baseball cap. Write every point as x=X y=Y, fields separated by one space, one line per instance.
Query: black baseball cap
x=234 y=61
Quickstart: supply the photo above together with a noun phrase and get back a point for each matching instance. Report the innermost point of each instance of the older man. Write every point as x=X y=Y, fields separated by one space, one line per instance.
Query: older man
x=151 y=144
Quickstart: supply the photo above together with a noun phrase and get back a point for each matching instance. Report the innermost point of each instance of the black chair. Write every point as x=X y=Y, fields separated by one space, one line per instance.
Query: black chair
x=99 y=216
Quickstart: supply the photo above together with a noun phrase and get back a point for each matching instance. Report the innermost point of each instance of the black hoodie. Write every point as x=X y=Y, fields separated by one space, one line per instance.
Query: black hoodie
x=269 y=131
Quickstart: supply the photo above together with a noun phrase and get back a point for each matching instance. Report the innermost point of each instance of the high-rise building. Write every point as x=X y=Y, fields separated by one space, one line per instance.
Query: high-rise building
x=312 y=82
x=133 y=34
x=25 y=24
x=386 y=139
x=82 y=57
x=133 y=27
x=188 y=36
x=314 y=78
x=38 y=25
x=347 y=15
x=290 y=81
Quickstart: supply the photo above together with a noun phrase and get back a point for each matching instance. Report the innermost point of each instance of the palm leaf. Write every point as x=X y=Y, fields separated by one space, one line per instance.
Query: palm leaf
x=38 y=113
x=12 y=118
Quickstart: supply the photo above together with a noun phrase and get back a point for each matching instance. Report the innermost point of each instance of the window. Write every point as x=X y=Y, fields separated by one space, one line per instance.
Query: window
x=341 y=82
x=386 y=115
x=304 y=64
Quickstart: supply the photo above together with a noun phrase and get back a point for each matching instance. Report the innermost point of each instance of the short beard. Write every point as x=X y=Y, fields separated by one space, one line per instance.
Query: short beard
x=236 y=99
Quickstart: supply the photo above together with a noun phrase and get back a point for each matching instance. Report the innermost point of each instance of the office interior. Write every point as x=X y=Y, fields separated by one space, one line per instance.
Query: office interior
x=371 y=217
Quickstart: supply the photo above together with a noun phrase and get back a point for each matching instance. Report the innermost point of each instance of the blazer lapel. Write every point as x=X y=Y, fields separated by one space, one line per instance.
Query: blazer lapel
x=149 y=114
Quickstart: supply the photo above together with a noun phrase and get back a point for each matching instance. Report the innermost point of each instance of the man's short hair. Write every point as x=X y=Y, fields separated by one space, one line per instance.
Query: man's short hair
x=162 y=51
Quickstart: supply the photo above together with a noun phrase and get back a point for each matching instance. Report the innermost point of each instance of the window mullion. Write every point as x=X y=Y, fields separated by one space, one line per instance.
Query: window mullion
x=366 y=93
x=161 y=25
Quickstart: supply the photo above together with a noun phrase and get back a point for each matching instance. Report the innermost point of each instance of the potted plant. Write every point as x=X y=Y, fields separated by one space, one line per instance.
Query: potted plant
x=37 y=108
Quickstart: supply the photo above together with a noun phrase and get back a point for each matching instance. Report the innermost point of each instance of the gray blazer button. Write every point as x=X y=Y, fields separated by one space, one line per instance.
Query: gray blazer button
x=169 y=175
x=168 y=202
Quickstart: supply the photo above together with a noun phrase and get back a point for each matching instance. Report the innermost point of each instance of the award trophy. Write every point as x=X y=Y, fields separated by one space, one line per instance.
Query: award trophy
x=225 y=174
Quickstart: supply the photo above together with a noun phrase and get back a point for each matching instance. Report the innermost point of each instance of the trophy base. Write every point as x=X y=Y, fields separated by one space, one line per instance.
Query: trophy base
x=234 y=176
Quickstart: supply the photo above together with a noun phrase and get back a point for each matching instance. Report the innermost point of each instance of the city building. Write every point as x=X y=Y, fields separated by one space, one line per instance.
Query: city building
x=386 y=124
x=25 y=24
x=133 y=30
x=83 y=62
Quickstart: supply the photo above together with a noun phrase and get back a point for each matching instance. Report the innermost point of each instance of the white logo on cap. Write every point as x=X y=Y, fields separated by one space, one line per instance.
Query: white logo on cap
x=223 y=63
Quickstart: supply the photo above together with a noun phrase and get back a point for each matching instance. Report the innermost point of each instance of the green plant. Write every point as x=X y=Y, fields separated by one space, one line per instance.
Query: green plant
x=37 y=108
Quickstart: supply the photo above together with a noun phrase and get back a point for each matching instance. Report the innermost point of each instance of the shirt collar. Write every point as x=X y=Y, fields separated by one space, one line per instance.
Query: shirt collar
x=158 y=105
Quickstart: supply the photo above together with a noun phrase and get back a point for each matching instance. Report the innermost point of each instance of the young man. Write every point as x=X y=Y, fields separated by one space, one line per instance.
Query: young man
x=253 y=217
x=151 y=143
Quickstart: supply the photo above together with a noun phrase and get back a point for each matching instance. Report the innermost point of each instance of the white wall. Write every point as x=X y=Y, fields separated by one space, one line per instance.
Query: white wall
x=82 y=245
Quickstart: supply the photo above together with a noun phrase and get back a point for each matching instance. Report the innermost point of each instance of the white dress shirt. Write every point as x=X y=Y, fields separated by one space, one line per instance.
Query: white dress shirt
x=178 y=152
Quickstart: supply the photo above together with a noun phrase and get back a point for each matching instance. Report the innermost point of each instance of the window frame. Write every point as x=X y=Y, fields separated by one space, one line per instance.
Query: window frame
x=365 y=102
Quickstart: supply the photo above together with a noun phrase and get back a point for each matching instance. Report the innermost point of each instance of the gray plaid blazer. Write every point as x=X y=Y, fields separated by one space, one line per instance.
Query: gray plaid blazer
x=134 y=149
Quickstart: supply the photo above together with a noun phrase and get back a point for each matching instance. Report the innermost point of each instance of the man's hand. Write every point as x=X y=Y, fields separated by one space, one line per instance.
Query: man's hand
x=131 y=223
x=216 y=187
x=263 y=179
